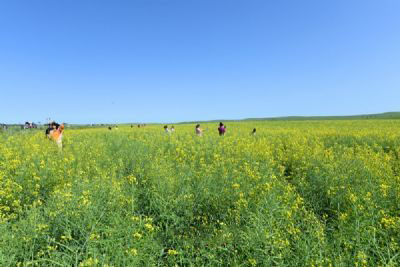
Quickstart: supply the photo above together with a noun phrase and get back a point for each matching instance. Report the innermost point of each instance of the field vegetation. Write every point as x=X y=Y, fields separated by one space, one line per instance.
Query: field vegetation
x=299 y=193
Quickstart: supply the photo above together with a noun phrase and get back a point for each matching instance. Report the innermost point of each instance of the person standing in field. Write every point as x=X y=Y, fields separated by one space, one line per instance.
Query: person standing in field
x=48 y=130
x=221 y=129
x=172 y=129
x=254 y=132
x=55 y=132
x=166 y=129
x=199 y=131
x=58 y=136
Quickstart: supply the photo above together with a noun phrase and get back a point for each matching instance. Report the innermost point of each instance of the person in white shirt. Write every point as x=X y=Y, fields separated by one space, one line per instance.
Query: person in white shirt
x=166 y=129
x=198 y=130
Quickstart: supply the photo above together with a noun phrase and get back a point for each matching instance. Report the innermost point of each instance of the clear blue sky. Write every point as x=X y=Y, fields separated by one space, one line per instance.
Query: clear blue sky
x=168 y=61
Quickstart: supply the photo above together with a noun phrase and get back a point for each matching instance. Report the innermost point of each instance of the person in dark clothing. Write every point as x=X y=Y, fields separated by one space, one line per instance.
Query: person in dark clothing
x=52 y=126
x=221 y=129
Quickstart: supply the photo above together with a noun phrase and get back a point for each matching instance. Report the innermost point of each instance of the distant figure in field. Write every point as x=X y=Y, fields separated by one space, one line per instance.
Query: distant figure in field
x=172 y=129
x=138 y=125
x=221 y=129
x=109 y=128
x=254 y=132
x=166 y=129
x=116 y=127
x=199 y=131
x=55 y=132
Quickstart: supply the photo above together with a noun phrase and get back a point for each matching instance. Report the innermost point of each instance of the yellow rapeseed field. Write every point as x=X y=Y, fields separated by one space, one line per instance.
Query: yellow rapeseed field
x=298 y=193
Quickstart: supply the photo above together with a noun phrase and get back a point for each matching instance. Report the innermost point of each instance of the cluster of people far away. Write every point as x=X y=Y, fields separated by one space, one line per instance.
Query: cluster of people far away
x=199 y=131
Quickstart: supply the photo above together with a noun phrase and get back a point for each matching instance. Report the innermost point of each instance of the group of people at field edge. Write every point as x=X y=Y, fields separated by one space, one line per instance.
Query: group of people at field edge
x=55 y=132
x=139 y=125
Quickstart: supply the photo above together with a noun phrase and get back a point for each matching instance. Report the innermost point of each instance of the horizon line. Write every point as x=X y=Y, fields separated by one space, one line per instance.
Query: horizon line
x=242 y=119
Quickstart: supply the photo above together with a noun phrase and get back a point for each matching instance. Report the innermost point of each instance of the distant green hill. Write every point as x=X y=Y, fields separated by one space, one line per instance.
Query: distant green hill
x=386 y=115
